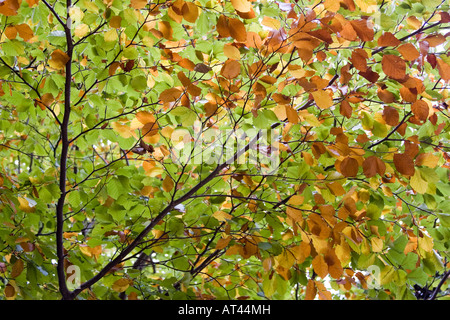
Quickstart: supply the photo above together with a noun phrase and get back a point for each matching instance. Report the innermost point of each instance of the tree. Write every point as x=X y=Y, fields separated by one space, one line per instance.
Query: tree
x=224 y=149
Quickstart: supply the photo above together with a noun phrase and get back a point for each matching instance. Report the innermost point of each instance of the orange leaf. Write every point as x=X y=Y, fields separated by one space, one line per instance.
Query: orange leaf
x=222 y=26
x=420 y=109
x=364 y=32
x=11 y=32
x=373 y=165
x=322 y=98
x=237 y=29
x=58 y=59
x=387 y=39
x=444 y=69
x=311 y=290
x=241 y=5
x=167 y=184
x=138 y=4
x=291 y=114
x=394 y=66
x=404 y=164
x=231 y=69
x=427 y=159
x=223 y=242
x=9 y=7
x=408 y=52
x=359 y=59
x=320 y=266
x=145 y=117
x=165 y=29
x=190 y=12
x=349 y=167
x=170 y=95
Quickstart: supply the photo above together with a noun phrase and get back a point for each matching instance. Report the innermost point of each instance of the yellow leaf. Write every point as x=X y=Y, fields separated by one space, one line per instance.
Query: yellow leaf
x=286 y=259
x=121 y=285
x=167 y=184
x=425 y=243
x=271 y=23
x=26 y=205
x=58 y=59
x=110 y=35
x=367 y=6
x=122 y=129
x=322 y=98
x=296 y=200
x=377 y=244
x=222 y=216
x=418 y=183
x=231 y=52
x=81 y=30
x=427 y=159
x=76 y=14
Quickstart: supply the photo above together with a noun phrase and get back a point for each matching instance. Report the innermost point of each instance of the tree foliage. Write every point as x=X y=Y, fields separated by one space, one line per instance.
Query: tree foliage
x=224 y=149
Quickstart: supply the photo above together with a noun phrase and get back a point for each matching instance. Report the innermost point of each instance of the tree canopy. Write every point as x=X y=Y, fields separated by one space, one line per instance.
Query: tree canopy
x=216 y=149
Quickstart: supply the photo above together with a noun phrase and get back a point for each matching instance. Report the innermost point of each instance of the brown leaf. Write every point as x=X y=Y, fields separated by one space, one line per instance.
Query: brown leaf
x=359 y=59
x=404 y=164
x=346 y=109
x=170 y=95
x=349 y=167
x=394 y=66
x=420 y=109
x=391 y=116
x=364 y=32
x=311 y=290
x=373 y=165
x=237 y=29
x=385 y=95
x=17 y=268
x=387 y=39
x=231 y=69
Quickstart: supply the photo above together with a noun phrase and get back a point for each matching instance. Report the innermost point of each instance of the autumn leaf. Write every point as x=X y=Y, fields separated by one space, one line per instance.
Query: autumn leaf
x=349 y=167
x=404 y=164
x=408 y=51
x=373 y=165
x=231 y=69
x=394 y=66
x=168 y=184
x=241 y=5
x=58 y=59
x=322 y=98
